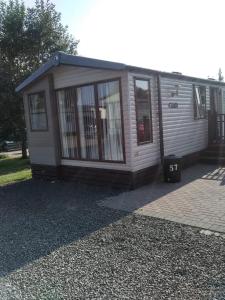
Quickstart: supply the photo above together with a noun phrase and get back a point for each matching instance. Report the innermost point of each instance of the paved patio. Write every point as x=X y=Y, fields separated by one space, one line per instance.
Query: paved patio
x=198 y=200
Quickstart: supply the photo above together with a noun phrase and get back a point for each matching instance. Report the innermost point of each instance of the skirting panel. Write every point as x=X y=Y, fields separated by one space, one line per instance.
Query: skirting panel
x=114 y=178
x=45 y=172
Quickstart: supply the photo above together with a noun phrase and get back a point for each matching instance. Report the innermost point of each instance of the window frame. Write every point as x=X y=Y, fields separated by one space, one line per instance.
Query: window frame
x=30 y=113
x=195 y=105
x=95 y=86
x=136 y=109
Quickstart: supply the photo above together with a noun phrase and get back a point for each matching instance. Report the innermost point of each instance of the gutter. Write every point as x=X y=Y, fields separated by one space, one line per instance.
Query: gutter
x=161 y=138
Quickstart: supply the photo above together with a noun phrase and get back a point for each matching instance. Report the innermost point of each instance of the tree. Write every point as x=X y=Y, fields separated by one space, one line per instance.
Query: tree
x=28 y=37
x=220 y=75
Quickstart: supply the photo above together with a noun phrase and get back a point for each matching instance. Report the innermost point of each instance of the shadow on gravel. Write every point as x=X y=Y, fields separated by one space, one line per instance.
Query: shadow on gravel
x=38 y=217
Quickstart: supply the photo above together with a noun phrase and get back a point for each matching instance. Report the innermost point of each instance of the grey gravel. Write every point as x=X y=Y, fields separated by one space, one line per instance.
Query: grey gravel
x=57 y=243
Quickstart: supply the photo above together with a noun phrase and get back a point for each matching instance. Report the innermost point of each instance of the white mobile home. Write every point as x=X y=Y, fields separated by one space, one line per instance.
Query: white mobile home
x=99 y=121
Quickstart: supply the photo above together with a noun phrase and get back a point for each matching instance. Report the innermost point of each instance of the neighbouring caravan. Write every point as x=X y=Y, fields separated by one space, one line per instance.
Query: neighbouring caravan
x=104 y=122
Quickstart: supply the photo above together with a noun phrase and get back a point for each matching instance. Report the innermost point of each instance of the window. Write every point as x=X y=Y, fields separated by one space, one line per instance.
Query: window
x=37 y=109
x=87 y=122
x=199 y=99
x=91 y=122
x=143 y=111
x=110 y=120
x=67 y=123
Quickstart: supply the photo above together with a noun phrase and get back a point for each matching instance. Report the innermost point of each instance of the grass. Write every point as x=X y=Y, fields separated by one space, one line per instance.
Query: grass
x=13 y=170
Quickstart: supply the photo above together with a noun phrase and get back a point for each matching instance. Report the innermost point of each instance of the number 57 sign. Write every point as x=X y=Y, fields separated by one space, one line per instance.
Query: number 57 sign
x=173 y=167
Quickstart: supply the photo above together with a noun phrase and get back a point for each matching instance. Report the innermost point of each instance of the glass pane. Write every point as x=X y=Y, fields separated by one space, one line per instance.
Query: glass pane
x=200 y=102
x=143 y=110
x=87 y=122
x=67 y=123
x=38 y=117
x=38 y=121
x=110 y=120
x=197 y=103
x=37 y=103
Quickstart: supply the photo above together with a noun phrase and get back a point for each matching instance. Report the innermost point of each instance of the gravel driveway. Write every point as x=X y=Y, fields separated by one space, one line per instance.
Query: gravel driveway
x=57 y=243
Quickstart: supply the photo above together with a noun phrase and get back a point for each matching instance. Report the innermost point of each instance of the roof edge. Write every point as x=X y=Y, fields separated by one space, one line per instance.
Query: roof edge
x=173 y=75
x=61 y=58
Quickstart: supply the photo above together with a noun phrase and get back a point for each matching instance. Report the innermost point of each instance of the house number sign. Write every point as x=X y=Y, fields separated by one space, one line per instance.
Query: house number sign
x=173 y=105
x=173 y=167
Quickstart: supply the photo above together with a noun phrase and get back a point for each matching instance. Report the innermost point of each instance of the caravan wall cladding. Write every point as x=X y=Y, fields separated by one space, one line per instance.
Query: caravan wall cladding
x=183 y=134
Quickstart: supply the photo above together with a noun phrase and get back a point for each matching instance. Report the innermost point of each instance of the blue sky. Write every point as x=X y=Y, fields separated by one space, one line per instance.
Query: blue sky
x=169 y=35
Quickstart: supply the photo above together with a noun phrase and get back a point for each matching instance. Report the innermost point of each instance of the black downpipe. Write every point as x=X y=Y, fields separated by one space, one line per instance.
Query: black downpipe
x=161 y=139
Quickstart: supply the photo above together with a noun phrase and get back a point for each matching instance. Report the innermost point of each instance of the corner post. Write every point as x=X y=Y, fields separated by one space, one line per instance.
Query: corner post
x=161 y=139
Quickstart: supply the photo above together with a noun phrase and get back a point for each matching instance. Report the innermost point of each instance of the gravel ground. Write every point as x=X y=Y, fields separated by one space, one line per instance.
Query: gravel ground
x=57 y=243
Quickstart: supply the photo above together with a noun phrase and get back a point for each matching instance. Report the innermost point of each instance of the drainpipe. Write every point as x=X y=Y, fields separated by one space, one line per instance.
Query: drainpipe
x=161 y=140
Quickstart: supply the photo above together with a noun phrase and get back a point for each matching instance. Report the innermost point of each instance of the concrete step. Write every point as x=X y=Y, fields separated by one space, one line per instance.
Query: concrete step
x=213 y=153
x=212 y=160
x=217 y=147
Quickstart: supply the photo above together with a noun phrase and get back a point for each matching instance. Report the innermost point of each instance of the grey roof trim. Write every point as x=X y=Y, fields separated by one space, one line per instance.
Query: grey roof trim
x=80 y=61
x=61 y=58
x=173 y=75
x=38 y=73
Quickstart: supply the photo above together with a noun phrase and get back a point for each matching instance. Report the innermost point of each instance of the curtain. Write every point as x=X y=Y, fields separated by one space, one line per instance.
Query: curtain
x=67 y=123
x=110 y=120
x=87 y=122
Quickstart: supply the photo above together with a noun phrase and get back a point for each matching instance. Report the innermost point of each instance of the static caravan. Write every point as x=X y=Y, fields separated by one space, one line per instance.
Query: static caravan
x=110 y=123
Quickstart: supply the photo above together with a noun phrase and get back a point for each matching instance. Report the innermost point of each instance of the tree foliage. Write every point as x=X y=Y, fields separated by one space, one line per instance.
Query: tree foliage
x=28 y=37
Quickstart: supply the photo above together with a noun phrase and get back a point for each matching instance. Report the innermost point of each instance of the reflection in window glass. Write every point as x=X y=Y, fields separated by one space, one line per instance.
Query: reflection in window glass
x=38 y=117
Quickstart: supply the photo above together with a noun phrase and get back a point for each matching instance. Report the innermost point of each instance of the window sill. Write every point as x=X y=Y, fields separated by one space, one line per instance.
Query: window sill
x=145 y=143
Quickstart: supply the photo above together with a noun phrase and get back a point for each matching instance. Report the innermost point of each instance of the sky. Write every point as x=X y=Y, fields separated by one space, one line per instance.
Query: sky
x=186 y=36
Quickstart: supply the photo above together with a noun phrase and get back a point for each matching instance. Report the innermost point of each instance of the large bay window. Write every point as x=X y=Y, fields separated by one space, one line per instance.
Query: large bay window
x=90 y=120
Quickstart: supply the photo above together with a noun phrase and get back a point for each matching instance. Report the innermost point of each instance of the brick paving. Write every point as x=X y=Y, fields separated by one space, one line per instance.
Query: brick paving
x=198 y=200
